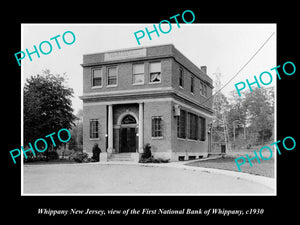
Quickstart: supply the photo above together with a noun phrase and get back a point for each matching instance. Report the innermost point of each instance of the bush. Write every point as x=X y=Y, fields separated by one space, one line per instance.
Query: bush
x=147 y=152
x=79 y=157
x=52 y=155
x=148 y=158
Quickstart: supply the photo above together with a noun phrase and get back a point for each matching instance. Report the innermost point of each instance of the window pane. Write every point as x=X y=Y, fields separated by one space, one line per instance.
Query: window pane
x=138 y=79
x=155 y=77
x=97 y=81
x=155 y=67
x=112 y=80
x=97 y=73
x=138 y=68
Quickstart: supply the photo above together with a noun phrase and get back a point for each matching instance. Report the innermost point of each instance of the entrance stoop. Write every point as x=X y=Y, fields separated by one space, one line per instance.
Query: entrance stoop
x=121 y=157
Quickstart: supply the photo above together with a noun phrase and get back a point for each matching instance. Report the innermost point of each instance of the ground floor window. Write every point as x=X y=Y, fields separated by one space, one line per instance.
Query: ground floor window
x=181 y=124
x=94 y=129
x=202 y=130
x=157 y=126
x=193 y=126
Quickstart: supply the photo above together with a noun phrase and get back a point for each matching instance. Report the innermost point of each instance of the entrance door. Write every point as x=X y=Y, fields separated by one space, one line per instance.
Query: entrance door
x=127 y=139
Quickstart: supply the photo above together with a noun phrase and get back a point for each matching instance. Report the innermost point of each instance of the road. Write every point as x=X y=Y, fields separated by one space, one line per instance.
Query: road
x=96 y=178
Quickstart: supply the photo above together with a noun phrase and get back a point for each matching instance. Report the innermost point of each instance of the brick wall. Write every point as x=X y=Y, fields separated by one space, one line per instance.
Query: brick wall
x=94 y=112
x=160 y=108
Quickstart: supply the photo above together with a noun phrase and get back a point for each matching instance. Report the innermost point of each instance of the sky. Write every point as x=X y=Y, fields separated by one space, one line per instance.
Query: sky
x=221 y=47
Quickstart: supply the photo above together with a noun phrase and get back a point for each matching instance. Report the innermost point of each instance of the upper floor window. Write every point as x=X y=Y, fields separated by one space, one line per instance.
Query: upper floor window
x=203 y=89
x=138 y=73
x=181 y=78
x=97 y=78
x=112 y=76
x=155 y=72
x=192 y=84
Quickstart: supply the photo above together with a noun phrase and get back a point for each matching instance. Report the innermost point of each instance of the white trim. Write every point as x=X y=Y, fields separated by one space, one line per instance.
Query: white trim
x=142 y=91
x=128 y=91
x=126 y=101
x=96 y=87
x=150 y=100
x=121 y=117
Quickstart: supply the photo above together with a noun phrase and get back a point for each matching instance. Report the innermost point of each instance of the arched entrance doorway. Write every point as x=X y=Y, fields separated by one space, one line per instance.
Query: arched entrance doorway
x=128 y=130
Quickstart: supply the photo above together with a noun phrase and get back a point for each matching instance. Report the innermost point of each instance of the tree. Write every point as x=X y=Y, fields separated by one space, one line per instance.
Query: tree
x=47 y=107
x=76 y=141
x=237 y=114
x=260 y=107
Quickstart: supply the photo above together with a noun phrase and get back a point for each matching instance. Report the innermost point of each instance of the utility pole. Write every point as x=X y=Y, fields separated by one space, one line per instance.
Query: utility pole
x=219 y=124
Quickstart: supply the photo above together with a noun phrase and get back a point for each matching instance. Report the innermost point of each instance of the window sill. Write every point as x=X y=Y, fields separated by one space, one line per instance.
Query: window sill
x=95 y=87
x=94 y=139
x=136 y=84
x=111 y=86
x=157 y=138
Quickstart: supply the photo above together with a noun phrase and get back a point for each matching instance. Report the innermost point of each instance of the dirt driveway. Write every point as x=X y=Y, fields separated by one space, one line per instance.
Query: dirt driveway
x=131 y=179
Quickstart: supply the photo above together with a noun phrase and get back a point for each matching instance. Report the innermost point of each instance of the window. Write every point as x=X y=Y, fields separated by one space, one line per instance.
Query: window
x=128 y=120
x=181 y=124
x=192 y=84
x=112 y=76
x=94 y=131
x=193 y=126
x=203 y=89
x=138 y=73
x=155 y=72
x=202 y=129
x=157 y=126
x=181 y=78
x=97 y=78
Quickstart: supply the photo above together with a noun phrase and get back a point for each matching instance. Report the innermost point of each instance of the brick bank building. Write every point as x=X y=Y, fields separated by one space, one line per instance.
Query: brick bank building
x=146 y=95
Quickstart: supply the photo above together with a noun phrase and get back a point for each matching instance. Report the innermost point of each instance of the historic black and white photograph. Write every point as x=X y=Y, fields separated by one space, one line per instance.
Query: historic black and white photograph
x=171 y=108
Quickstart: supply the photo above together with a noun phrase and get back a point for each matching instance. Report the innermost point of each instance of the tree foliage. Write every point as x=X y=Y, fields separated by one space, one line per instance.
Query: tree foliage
x=76 y=141
x=47 y=106
x=254 y=112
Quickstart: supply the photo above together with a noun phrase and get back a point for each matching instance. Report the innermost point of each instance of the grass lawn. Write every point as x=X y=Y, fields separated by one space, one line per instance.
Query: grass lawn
x=264 y=168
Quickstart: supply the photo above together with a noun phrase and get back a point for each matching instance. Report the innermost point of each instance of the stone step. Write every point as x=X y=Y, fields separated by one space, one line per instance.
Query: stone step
x=121 y=157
